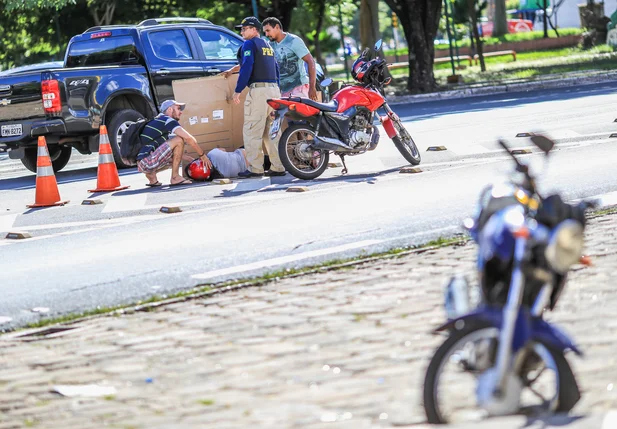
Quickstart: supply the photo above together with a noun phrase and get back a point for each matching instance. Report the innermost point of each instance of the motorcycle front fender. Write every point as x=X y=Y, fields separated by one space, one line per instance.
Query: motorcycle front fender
x=527 y=328
x=388 y=126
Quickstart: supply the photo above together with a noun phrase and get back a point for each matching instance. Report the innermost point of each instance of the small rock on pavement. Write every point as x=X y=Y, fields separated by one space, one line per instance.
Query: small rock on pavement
x=410 y=170
x=222 y=181
x=298 y=189
x=166 y=209
x=334 y=164
x=18 y=235
x=40 y=310
x=91 y=202
x=436 y=148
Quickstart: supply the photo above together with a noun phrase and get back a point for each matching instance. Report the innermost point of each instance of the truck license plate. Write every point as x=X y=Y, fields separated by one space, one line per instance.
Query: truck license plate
x=11 y=130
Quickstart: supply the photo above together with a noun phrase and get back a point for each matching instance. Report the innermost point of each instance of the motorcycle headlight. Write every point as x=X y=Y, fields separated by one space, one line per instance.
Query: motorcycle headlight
x=565 y=246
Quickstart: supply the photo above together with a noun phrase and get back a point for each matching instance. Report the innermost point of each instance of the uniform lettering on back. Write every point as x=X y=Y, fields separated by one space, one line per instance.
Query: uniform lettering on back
x=268 y=51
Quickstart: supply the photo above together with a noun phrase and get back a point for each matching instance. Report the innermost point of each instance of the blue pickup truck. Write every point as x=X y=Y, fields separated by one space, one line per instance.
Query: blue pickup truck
x=112 y=75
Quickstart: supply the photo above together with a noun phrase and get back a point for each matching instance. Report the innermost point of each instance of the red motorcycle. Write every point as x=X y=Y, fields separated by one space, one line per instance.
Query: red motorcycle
x=343 y=126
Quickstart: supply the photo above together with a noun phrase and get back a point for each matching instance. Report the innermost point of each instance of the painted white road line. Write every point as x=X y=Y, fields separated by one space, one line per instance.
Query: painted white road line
x=469 y=149
x=252 y=185
x=610 y=420
x=7 y=221
x=284 y=260
x=609 y=199
x=121 y=203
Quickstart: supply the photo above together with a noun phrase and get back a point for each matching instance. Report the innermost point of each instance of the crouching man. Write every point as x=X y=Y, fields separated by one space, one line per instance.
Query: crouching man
x=163 y=141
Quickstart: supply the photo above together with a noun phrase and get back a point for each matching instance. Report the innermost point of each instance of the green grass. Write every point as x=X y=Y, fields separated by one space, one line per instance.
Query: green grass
x=529 y=65
x=514 y=37
x=206 y=402
x=335 y=264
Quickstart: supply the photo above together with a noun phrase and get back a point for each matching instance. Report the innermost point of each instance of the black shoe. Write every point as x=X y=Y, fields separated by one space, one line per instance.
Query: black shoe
x=248 y=173
x=272 y=173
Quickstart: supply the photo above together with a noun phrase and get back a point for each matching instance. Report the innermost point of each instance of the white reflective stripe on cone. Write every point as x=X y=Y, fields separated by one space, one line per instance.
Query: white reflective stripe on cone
x=44 y=171
x=105 y=158
x=42 y=151
x=104 y=139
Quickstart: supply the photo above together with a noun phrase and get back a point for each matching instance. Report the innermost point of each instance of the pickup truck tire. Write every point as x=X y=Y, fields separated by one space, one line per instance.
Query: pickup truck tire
x=117 y=124
x=59 y=155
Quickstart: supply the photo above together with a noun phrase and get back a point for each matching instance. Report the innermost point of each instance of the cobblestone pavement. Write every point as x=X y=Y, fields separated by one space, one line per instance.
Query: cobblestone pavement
x=344 y=348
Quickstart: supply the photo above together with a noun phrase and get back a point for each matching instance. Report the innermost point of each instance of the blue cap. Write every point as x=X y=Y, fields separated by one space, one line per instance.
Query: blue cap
x=168 y=103
x=249 y=21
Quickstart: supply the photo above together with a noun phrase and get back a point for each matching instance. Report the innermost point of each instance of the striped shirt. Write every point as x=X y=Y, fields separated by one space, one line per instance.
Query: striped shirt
x=156 y=133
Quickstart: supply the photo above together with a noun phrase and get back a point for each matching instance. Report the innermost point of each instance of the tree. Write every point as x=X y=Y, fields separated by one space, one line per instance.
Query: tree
x=467 y=12
x=369 y=22
x=500 y=21
x=420 y=21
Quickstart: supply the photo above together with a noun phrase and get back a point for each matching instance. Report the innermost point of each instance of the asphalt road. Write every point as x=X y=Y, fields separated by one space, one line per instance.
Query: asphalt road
x=123 y=250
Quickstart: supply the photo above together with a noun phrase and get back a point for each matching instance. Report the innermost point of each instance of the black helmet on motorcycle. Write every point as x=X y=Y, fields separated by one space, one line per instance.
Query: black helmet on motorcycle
x=362 y=69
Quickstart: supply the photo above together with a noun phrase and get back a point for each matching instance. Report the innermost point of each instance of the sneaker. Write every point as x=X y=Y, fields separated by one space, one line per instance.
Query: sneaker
x=248 y=173
x=271 y=173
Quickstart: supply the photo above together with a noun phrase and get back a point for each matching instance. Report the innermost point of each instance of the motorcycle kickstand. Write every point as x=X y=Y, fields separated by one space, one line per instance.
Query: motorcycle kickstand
x=344 y=170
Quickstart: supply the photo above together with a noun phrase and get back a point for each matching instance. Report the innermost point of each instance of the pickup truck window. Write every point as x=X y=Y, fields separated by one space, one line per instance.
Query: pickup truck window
x=218 y=45
x=102 y=52
x=170 y=45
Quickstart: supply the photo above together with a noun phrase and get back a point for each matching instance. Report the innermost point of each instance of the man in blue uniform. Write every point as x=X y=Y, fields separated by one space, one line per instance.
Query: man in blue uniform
x=259 y=71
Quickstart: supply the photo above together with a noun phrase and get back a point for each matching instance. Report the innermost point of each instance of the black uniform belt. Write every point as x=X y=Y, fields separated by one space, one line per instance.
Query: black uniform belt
x=263 y=85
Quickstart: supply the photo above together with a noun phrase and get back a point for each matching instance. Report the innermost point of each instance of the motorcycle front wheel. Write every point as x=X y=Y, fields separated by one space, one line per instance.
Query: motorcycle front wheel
x=405 y=144
x=548 y=384
x=299 y=156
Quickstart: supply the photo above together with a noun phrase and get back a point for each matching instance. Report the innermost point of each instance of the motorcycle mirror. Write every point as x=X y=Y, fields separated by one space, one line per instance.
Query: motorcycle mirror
x=378 y=45
x=326 y=82
x=544 y=143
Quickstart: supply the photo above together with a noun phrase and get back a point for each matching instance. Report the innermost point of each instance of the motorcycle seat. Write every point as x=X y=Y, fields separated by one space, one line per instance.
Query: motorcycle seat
x=325 y=107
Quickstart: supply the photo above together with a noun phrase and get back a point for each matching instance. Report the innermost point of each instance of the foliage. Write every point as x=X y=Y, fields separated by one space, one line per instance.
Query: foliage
x=11 y=5
x=517 y=37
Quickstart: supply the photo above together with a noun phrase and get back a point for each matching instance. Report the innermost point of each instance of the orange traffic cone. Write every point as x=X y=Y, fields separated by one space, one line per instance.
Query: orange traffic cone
x=47 y=193
x=107 y=177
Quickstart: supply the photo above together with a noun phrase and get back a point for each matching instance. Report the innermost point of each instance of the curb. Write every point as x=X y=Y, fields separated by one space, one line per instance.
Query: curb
x=562 y=82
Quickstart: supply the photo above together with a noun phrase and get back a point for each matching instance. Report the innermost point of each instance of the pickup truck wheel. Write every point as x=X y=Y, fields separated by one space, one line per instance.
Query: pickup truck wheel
x=59 y=155
x=117 y=124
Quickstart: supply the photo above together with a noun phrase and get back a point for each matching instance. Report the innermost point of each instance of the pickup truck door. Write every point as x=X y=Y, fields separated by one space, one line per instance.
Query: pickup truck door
x=172 y=55
x=219 y=49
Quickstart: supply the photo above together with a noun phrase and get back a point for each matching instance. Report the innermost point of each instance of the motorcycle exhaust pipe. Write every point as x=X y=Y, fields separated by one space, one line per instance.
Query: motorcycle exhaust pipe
x=327 y=143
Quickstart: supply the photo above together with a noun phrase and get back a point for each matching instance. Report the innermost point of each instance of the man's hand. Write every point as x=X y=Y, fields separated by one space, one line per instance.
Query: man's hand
x=206 y=160
x=236 y=98
x=312 y=93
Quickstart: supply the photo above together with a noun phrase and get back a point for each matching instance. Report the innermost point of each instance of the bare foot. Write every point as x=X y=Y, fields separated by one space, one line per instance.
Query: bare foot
x=151 y=178
x=179 y=179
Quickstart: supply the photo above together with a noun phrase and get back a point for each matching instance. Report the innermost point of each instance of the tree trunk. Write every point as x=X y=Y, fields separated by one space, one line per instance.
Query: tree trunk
x=420 y=21
x=369 y=22
x=281 y=9
x=473 y=18
x=321 y=11
x=500 y=23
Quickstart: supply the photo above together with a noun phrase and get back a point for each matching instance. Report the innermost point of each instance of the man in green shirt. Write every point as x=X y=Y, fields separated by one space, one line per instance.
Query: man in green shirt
x=291 y=53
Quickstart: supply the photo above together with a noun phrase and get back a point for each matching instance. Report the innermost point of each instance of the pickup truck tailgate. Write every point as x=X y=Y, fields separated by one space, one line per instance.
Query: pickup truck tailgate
x=20 y=97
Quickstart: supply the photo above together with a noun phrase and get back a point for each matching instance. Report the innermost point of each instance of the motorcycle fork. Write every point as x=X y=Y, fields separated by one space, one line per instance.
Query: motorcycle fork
x=503 y=362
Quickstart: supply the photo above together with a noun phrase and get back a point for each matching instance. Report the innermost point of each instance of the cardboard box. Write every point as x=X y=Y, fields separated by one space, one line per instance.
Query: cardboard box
x=210 y=114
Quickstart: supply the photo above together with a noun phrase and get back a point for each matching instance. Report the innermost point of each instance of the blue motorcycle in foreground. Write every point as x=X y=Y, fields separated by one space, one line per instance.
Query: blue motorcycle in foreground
x=501 y=357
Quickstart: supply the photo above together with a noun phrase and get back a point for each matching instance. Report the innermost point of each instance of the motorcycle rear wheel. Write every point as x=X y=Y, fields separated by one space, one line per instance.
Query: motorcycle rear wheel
x=405 y=144
x=483 y=337
x=297 y=154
